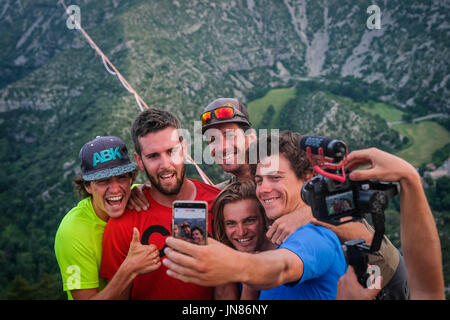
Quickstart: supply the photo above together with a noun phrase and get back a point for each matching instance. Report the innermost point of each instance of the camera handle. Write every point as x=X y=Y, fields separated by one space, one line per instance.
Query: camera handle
x=378 y=224
x=357 y=256
x=358 y=250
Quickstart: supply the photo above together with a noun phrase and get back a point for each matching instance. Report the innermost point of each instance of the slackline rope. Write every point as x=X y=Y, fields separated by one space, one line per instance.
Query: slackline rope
x=108 y=64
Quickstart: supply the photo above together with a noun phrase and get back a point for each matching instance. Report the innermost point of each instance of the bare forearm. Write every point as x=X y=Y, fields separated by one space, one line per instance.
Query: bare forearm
x=270 y=269
x=249 y=293
x=420 y=241
x=227 y=291
x=118 y=288
x=349 y=231
x=217 y=264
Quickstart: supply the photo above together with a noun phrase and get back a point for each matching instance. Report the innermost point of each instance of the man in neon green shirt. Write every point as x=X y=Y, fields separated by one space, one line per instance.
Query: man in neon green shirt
x=104 y=183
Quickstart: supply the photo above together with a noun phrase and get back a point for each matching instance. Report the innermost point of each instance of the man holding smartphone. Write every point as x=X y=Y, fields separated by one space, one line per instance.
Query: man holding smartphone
x=307 y=265
x=227 y=128
x=160 y=153
x=226 y=125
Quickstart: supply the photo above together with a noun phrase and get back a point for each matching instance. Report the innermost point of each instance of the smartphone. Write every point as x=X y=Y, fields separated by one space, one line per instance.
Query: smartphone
x=190 y=221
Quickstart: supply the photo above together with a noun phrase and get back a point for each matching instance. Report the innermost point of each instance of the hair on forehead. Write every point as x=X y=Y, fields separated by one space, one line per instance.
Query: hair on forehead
x=289 y=147
x=149 y=121
x=236 y=191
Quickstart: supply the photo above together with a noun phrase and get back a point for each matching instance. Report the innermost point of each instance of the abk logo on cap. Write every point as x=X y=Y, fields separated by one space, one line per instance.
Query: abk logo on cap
x=105 y=157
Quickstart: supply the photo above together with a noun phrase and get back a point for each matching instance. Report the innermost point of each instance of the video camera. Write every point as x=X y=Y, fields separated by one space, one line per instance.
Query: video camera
x=333 y=196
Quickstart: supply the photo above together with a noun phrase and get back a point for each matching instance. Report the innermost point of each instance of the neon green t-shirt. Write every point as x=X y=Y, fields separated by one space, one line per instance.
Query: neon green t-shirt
x=78 y=248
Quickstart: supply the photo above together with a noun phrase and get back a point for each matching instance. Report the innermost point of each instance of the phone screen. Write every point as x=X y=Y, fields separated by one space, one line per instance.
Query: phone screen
x=190 y=221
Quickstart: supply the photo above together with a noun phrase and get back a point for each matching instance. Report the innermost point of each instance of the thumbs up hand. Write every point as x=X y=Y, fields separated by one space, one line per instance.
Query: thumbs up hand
x=142 y=258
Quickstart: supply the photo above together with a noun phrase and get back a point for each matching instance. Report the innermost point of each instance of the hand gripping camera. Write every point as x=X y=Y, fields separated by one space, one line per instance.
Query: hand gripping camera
x=333 y=196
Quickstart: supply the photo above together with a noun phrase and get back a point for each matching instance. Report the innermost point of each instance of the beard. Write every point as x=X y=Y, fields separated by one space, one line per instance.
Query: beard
x=168 y=191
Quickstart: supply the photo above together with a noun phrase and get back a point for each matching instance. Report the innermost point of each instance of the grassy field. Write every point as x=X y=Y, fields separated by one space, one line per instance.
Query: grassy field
x=277 y=97
x=387 y=112
x=424 y=138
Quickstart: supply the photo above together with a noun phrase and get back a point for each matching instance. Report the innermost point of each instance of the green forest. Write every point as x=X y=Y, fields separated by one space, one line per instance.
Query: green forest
x=29 y=270
x=308 y=66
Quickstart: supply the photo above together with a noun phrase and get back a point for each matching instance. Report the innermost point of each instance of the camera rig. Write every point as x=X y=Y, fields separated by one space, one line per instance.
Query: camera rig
x=332 y=196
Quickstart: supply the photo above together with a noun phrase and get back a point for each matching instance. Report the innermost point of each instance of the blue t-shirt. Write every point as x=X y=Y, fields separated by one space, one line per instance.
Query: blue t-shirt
x=323 y=264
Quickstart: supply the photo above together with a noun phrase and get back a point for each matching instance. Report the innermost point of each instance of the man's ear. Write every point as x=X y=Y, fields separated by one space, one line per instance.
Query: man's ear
x=185 y=152
x=139 y=162
x=184 y=146
x=308 y=176
x=88 y=188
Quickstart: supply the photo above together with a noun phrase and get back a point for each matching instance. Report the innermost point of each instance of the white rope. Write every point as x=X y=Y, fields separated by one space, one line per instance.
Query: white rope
x=106 y=66
x=122 y=80
x=138 y=102
x=125 y=86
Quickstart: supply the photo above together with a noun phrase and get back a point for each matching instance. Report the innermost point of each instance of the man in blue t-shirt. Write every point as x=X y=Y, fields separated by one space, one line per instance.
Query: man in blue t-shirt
x=323 y=264
x=307 y=265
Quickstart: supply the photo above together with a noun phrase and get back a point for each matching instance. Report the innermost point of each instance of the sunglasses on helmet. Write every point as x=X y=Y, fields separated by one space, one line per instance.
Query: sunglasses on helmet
x=224 y=112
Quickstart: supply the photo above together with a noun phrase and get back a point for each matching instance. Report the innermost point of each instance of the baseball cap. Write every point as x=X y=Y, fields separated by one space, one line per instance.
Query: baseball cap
x=104 y=157
x=241 y=116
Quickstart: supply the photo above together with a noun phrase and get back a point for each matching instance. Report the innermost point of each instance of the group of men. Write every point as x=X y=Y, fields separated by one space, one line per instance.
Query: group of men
x=263 y=240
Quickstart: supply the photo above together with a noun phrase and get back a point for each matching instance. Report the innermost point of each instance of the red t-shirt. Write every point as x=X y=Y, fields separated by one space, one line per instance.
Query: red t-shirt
x=154 y=226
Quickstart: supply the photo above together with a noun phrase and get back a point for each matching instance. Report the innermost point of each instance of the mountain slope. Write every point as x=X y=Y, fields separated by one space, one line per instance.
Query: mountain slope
x=180 y=55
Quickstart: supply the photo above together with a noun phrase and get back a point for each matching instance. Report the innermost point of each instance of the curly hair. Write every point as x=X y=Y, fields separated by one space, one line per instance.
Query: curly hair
x=236 y=191
x=289 y=146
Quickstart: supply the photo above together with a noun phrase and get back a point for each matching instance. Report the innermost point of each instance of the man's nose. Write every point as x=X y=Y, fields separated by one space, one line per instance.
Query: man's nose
x=264 y=186
x=166 y=161
x=114 y=184
x=241 y=230
x=222 y=143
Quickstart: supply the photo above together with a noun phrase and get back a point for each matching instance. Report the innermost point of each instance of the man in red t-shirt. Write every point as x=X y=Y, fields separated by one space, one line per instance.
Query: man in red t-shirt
x=160 y=153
